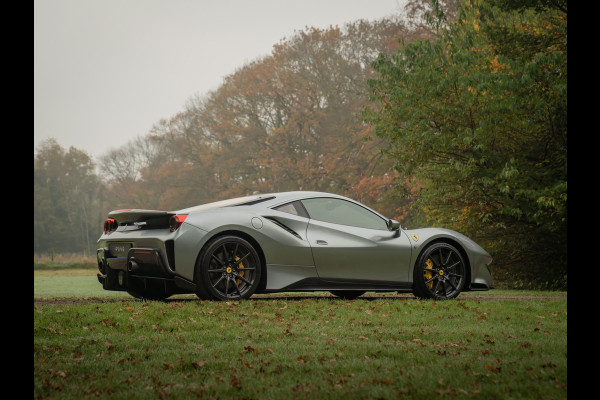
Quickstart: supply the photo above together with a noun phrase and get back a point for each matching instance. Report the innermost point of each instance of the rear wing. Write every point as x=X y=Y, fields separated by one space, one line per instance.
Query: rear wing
x=136 y=215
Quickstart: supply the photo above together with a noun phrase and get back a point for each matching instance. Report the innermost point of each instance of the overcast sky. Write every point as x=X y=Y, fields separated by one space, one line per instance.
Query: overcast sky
x=106 y=70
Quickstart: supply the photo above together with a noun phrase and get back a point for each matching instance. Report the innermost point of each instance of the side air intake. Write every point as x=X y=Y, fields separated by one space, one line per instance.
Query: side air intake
x=282 y=226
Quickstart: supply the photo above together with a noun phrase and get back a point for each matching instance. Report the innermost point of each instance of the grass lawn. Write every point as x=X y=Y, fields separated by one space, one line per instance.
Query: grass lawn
x=69 y=283
x=272 y=347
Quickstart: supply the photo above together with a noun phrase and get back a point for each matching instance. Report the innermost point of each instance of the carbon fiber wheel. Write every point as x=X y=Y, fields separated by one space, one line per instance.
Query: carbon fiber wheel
x=228 y=269
x=440 y=272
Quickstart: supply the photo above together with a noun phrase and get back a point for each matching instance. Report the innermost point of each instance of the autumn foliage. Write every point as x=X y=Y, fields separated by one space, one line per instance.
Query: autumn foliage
x=478 y=118
x=287 y=121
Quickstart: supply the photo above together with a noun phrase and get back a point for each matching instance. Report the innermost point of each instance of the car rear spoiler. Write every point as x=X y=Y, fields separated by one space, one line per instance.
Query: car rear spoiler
x=137 y=215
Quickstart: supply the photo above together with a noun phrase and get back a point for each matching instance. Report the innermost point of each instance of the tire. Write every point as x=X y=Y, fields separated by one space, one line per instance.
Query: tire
x=347 y=294
x=440 y=272
x=228 y=269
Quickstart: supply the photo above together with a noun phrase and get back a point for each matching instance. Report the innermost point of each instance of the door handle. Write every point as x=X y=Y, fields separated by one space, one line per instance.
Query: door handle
x=322 y=242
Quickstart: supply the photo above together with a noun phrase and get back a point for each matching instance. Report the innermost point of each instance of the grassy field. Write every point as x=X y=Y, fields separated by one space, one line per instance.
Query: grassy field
x=275 y=347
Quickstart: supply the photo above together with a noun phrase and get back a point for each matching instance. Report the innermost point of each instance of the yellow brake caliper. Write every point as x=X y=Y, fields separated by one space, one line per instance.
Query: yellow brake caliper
x=239 y=281
x=427 y=274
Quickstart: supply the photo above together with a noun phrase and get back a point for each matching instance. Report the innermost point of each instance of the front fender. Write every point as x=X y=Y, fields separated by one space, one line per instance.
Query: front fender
x=478 y=258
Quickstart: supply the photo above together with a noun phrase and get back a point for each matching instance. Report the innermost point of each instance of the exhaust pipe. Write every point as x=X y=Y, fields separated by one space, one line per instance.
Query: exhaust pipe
x=132 y=266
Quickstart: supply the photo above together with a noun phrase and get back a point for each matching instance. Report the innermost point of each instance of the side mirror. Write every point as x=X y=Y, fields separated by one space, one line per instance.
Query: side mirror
x=393 y=225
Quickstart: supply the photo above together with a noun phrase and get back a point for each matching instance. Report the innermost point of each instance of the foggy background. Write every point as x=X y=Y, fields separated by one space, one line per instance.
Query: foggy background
x=106 y=71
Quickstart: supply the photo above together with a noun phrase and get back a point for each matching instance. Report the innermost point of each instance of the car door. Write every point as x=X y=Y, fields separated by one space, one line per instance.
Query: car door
x=350 y=242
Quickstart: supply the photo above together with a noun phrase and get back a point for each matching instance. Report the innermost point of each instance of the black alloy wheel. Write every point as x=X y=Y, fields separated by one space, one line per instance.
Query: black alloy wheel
x=229 y=269
x=440 y=272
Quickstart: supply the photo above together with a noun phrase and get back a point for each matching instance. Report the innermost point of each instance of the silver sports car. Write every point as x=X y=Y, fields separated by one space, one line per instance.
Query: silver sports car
x=283 y=242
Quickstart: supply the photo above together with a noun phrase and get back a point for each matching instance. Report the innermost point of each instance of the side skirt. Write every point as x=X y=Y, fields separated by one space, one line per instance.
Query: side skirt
x=318 y=284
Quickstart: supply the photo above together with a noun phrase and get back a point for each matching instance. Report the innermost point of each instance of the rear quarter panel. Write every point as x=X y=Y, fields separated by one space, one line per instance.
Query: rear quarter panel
x=288 y=258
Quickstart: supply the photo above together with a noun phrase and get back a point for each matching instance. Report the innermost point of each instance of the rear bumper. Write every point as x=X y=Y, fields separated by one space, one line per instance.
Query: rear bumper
x=135 y=270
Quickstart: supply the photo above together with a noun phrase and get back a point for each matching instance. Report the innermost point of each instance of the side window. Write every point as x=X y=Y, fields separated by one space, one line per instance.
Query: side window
x=288 y=208
x=294 y=208
x=343 y=212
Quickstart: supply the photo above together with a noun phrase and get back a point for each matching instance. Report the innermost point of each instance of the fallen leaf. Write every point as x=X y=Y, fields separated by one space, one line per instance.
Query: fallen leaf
x=491 y=367
x=249 y=349
x=235 y=382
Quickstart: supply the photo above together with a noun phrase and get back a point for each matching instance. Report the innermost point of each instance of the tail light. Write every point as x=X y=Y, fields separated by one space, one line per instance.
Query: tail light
x=110 y=225
x=175 y=222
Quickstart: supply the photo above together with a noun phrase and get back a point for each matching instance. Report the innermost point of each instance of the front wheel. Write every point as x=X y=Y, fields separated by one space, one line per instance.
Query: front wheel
x=228 y=269
x=440 y=272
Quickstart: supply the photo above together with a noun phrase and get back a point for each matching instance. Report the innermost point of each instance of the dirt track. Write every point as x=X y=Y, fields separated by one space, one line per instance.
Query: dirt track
x=293 y=297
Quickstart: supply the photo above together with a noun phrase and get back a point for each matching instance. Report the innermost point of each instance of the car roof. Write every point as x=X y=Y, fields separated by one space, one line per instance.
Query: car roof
x=284 y=197
x=260 y=200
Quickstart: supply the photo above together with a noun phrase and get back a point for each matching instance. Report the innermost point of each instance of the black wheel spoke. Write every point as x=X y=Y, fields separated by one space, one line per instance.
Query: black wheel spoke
x=452 y=284
x=217 y=270
x=244 y=279
x=453 y=265
x=436 y=287
x=217 y=258
x=429 y=280
x=227 y=286
x=225 y=254
x=219 y=280
x=237 y=287
x=448 y=259
x=236 y=249
x=238 y=262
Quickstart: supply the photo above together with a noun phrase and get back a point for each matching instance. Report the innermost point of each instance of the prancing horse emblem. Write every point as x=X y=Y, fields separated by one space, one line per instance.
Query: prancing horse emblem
x=415 y=236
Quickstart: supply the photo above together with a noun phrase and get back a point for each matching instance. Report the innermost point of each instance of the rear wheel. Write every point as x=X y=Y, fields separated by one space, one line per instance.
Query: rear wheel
x=347 y=294
x=440 y=272
x=228 y=269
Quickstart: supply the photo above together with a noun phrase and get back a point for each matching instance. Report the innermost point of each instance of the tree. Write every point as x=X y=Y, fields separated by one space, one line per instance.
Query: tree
x=287 y=121
x=477 y=119
x=68 y=207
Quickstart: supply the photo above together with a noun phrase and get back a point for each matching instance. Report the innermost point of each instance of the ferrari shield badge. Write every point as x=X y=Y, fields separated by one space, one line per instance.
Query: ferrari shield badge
x=415 y=236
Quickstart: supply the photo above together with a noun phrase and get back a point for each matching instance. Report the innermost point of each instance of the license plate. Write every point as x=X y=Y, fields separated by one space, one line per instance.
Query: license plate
x=119 y=249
